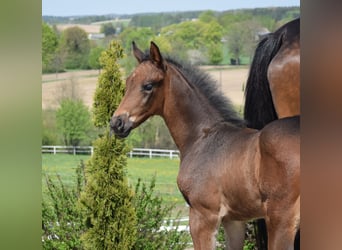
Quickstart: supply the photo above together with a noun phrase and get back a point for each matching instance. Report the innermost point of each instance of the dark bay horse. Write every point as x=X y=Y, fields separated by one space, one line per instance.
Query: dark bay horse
x=273 y=84
x=273 y=87
x=228 y=173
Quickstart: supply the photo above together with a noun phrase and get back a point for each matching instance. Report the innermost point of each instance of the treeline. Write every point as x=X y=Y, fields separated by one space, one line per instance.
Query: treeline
x=149 y=19
x=52 y=20
x=206 y=37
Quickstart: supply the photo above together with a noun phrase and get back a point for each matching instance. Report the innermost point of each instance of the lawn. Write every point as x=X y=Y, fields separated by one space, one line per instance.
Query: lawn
x=164 y=169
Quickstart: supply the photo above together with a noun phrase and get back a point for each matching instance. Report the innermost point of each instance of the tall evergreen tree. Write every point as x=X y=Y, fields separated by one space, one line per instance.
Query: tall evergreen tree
x=107 y=199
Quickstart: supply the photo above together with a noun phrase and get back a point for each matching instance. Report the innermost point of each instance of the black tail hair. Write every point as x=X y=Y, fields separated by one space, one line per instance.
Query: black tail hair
x=259 y=108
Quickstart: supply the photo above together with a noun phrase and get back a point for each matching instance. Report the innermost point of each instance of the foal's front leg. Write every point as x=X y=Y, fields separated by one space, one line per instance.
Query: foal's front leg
x=234 y=233
x=203 y=229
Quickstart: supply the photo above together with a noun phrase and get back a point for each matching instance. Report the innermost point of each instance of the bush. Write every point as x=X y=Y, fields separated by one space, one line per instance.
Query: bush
x=62 y=221
x=73 y=121
x=49 y=129
x=152 y=214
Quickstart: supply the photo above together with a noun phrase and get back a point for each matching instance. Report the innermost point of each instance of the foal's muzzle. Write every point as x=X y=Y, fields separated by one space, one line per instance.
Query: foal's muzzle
x=121 y=125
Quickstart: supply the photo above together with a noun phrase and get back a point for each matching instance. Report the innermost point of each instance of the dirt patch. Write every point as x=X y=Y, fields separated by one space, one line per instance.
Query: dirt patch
x=231 y=80
x=89 y=28
x=82 y=84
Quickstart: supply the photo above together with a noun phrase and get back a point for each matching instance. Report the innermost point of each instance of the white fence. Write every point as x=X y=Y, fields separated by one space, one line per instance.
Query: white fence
x=88 y=150
x=180 y=225
x=135 y=152
x=148 y=152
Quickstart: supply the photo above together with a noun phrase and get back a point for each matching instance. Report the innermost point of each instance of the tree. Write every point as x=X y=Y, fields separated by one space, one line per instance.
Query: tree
x=73 y=121
x=215 y=54
x=242 y=39
x=140 y=36
x=49 y=46
x=194 y=36
x=94 y=56
x=108 y=29
x=76 y=45
x=107 y=198
x=235 y=44
x=212 y=36
x=212 y=33
x=207 y=16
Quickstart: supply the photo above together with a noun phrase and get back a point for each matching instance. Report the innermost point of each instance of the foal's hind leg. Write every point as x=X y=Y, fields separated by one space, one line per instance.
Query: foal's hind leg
x=234 y=233
x=203 y=229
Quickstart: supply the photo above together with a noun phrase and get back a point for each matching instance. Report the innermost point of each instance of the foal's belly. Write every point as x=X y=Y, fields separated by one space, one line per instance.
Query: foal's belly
x=242 y=206
x=231 y=203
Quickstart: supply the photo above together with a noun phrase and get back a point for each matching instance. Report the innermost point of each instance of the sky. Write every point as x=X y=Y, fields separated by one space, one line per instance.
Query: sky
x=103 y=7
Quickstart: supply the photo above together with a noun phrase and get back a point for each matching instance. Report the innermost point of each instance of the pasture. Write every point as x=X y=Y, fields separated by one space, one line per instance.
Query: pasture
x=164 y=169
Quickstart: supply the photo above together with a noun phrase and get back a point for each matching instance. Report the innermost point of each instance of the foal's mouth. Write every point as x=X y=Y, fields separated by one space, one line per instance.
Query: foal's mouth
x=120 y=126
x=121 y=135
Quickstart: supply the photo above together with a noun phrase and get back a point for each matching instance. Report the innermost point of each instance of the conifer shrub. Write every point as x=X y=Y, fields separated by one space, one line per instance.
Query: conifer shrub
x=107 y=198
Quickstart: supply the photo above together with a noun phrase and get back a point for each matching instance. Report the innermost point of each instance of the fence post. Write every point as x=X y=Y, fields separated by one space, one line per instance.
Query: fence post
x=150 y=153
x=171 y=154
x=54 y=150
x=91 y=150
x=74 y=150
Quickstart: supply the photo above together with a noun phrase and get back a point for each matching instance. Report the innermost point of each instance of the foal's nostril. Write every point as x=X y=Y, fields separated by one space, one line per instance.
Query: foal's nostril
x=119 y=124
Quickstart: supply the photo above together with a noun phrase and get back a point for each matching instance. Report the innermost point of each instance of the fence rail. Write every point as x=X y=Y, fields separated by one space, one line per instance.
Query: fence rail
x=89 y=150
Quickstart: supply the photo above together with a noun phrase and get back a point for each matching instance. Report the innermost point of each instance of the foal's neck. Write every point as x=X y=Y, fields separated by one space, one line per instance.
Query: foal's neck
x=187 y=113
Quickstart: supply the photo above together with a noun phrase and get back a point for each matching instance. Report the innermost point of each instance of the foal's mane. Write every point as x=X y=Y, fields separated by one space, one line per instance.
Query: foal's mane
x=209 y=88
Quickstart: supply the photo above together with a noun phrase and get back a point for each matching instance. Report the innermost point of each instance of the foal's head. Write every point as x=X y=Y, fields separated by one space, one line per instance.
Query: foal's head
x=144 y=95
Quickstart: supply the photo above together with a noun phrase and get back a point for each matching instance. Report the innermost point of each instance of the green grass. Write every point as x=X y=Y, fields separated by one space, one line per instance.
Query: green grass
x=164 y=169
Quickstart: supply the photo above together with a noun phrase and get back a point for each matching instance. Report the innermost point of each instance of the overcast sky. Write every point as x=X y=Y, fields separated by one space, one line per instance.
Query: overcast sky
x=102 y=7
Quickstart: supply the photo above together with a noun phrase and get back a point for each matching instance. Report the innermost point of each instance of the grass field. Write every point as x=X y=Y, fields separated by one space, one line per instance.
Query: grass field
x=164 y=169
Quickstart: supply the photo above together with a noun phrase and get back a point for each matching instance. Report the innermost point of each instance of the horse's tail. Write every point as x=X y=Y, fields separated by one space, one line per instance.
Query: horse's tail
x=259 y=108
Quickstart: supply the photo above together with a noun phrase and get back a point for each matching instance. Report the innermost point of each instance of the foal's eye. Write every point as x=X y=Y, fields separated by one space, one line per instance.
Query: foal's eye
x=148 y=87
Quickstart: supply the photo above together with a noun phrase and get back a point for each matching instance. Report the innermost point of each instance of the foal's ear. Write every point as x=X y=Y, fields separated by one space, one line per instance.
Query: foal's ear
x=156 y=57
x=139 y=55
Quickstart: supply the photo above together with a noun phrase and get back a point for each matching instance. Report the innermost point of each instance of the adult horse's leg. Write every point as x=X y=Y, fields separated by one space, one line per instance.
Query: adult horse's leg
x=234 y=233
x=203 y=229
x=282 y=226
